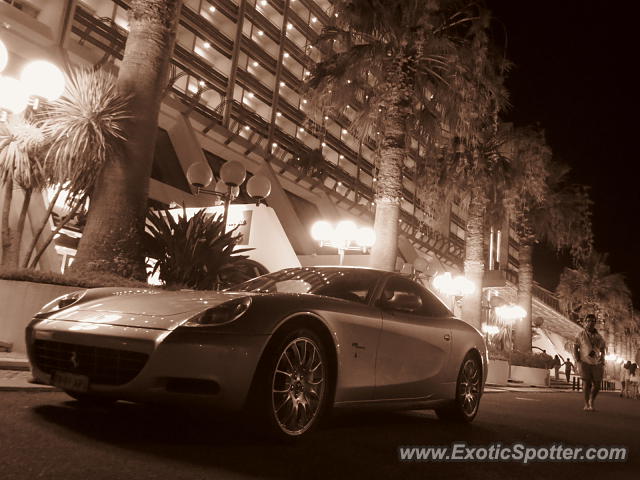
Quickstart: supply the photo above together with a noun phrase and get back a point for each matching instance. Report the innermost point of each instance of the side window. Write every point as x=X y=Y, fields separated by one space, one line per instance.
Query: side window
x=405 y=295
x=356 y=286
x=432 y=306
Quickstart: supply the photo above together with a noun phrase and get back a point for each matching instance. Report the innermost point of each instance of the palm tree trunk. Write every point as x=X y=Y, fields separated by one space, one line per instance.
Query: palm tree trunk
x=112 y=237
x=6 y=228
x=611 y=336
x=474 y=258
x=525 y=287
x=389 y=193
x=13 y=252
x=61 y=224
x=36 y=236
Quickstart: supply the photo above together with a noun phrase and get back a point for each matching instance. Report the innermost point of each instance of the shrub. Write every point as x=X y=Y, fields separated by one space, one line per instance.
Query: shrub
x=497 y=353
x=190 y=252
x=530 y=359
x=84 y=280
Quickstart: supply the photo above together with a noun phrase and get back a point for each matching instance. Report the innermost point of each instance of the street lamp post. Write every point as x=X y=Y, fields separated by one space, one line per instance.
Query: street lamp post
x=232 y=175
x=344 y=236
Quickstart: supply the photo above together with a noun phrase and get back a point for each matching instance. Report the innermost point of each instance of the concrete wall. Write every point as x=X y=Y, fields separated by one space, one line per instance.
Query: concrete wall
x=19 y=301
x=537 y=377
x=498 y=372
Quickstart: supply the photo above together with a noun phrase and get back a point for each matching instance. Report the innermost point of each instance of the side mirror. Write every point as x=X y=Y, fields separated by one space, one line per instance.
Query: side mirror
x=404 y=302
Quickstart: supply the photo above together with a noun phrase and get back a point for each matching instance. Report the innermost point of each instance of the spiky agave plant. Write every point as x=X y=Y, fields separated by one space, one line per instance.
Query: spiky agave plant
x=83 y=127
x=190 y=252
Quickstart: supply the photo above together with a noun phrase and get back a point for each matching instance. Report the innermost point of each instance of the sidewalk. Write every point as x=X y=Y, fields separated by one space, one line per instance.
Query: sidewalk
x=493 y=388
x=15 y=374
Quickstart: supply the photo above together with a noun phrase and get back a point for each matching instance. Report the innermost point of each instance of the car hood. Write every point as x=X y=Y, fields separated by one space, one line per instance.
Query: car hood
x=144 y=308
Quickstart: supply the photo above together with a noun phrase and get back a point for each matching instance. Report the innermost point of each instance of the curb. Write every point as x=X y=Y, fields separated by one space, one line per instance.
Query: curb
x=13 y=363
x=14 y=366
x=35 y=388
x=19 y=380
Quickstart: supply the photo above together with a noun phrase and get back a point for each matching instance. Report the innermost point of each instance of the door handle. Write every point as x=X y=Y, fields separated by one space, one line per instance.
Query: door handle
x=447 y=337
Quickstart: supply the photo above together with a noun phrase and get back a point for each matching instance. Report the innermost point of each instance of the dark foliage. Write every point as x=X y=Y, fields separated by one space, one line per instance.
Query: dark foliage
x=190 y=252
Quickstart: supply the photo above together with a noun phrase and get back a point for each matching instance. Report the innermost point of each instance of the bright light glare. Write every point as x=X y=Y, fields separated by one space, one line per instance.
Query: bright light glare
x=510 y=313
x=490 y=329
x=4 y=56
x=458 y=286
x=442 y=282
x=13 y=96
x=43 y=79
x=322 y=231
x=346 y=231
x=366 y=237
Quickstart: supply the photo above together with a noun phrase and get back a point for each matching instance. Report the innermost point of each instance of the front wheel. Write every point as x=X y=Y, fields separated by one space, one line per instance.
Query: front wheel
x=468 y=391
x=295 y=384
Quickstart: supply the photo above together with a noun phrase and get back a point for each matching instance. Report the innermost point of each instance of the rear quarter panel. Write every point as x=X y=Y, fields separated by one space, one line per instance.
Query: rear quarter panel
x=466 y=338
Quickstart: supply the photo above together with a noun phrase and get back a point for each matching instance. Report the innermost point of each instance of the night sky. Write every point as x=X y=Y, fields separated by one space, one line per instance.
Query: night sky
x=574 y=73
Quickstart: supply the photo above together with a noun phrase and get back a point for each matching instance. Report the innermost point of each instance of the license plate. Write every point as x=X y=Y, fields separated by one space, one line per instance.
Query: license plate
x=70 y=381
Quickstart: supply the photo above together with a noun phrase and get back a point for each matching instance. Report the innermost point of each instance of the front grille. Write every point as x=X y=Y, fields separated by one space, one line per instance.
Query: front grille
x=106 y=366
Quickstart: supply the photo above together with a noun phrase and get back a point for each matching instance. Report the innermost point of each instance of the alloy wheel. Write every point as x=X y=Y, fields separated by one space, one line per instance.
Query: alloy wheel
x=298 y=386
x=469 y=387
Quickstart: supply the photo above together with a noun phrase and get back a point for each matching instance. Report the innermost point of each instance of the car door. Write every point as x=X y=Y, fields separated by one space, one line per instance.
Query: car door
x=415 y=342
x=356 y=324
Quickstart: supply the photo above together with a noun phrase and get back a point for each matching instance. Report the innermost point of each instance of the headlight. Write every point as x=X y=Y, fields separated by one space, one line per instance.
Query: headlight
x=60 y=303
x=219 y=315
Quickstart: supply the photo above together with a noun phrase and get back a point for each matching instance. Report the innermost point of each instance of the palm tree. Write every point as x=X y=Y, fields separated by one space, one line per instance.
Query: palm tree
x=20 y=166
x=477 y=174
x=471 y=164
x=544 y=206
x=112 y=238
x=79 y=130
x=399 y=69
x=591 y=287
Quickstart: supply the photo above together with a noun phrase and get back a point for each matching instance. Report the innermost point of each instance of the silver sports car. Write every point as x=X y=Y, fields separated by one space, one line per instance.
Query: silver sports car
x=286 y=346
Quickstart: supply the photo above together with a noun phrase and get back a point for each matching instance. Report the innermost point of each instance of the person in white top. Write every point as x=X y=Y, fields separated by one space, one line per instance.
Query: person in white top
x=625 y=380
x=589 y=351
x=633 y=381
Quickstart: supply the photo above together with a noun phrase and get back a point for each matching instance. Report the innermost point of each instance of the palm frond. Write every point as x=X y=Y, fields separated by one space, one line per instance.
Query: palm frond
x=85 y=126
x=591 y=287
x=20 y=143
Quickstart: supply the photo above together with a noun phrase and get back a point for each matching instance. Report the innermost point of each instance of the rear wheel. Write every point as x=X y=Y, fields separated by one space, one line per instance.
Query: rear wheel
x=468 y=392
x=294 y=385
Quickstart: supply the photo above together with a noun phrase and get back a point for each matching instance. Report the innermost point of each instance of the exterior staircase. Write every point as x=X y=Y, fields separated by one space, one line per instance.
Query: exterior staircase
x=561 y=384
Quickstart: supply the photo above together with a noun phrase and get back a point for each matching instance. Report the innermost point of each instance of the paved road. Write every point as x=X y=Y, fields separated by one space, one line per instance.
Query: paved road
x=45 y=435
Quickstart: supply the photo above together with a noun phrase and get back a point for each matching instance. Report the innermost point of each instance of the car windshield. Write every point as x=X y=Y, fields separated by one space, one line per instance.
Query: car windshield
x=292 y=280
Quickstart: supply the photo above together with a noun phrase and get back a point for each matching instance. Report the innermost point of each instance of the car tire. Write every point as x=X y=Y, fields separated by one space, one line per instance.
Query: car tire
x=89 y=399
x=293 y=385
x=468 y=392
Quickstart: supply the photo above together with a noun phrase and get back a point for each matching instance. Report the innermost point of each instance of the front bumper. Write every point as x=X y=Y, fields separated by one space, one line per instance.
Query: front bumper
x=181 y=357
